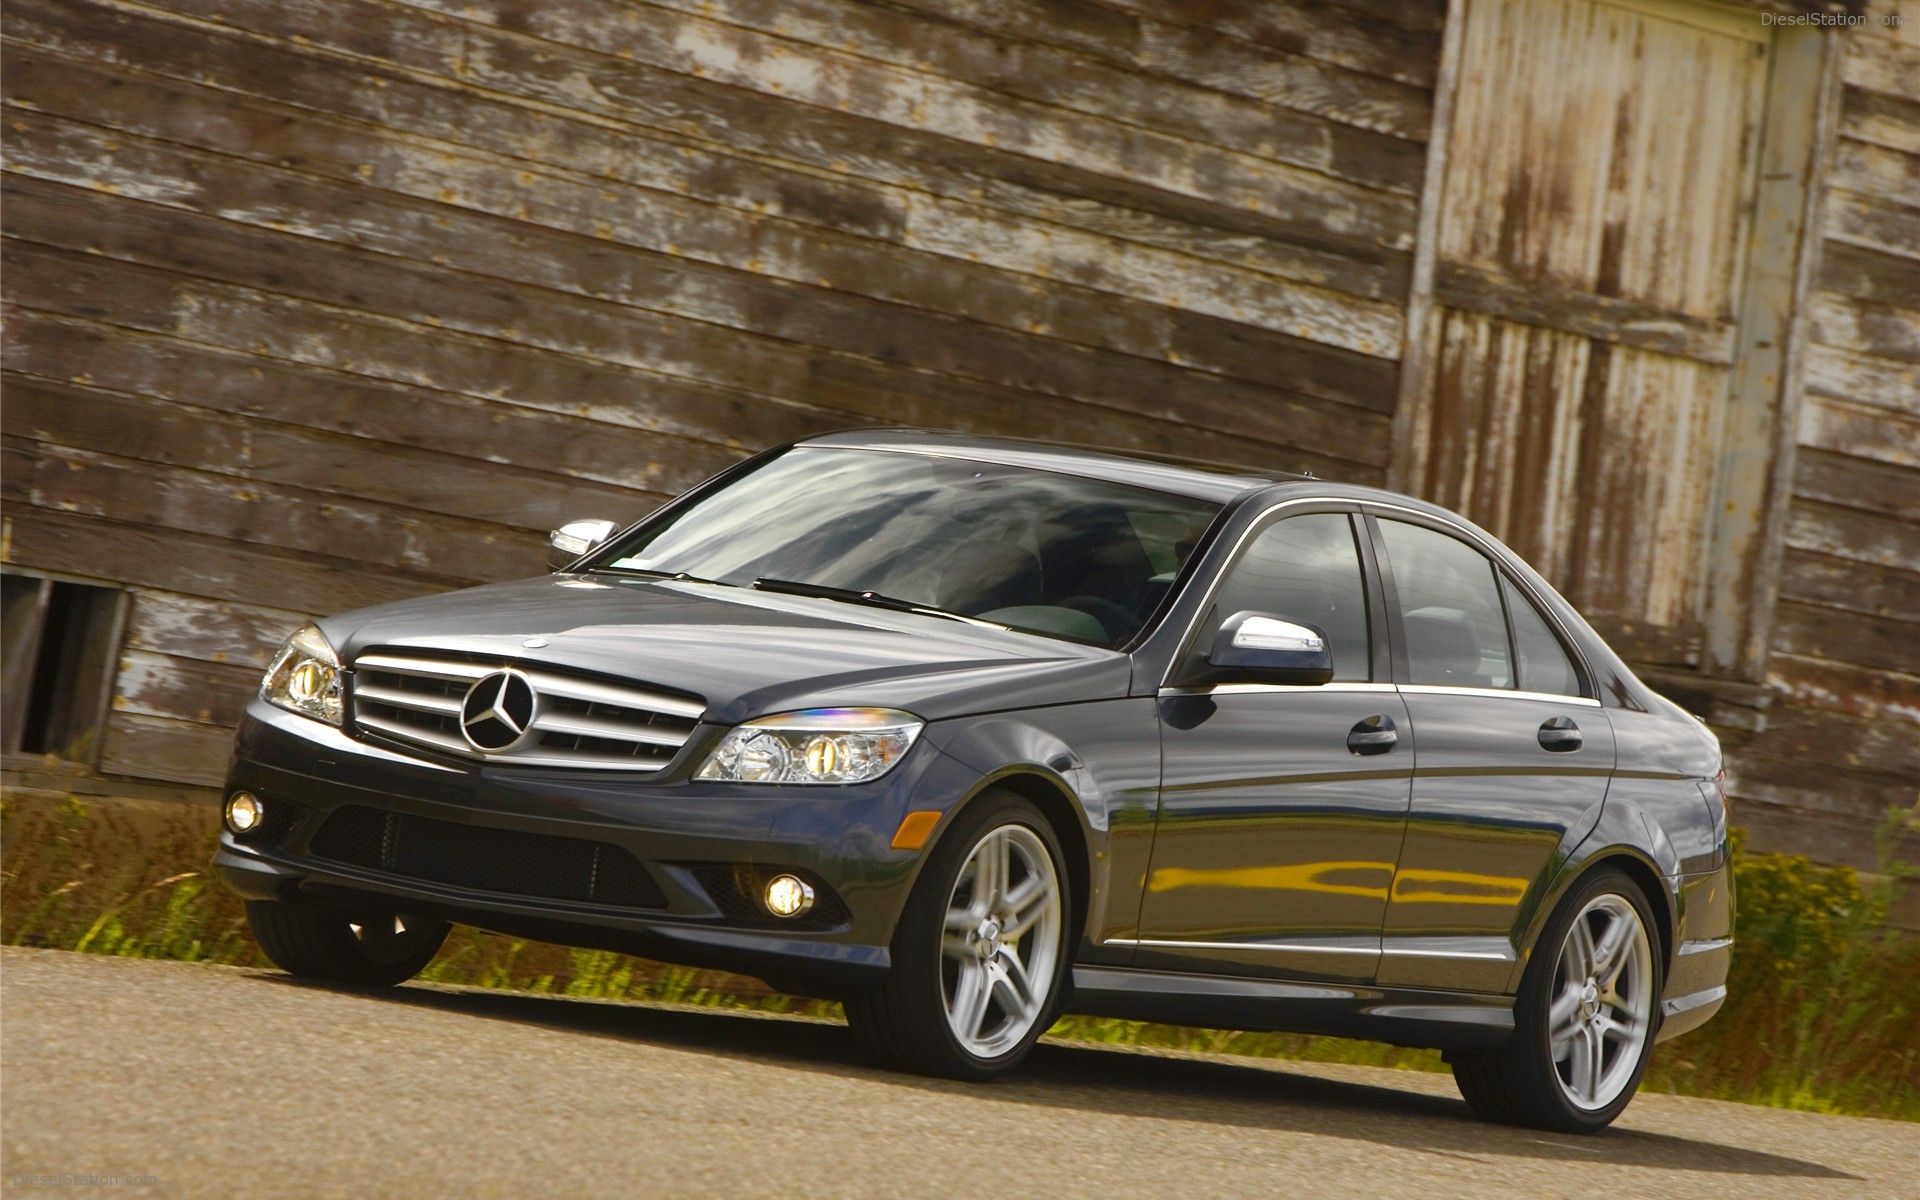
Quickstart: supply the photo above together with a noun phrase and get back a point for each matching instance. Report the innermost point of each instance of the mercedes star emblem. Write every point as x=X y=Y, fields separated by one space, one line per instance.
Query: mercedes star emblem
x=498 y=711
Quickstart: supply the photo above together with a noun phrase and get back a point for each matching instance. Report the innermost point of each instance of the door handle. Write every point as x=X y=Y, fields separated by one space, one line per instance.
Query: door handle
x=1560 y=734
x=1374 y=735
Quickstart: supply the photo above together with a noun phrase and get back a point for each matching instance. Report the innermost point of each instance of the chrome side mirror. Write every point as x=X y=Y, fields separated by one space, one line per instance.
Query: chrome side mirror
x=1261 y=648
x=576 y=538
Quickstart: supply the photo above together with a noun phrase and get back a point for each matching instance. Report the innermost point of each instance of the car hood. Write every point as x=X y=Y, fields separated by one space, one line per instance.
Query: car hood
x=748 y=653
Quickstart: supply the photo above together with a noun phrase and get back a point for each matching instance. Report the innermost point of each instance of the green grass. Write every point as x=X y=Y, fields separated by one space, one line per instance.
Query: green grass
x=1824 y=997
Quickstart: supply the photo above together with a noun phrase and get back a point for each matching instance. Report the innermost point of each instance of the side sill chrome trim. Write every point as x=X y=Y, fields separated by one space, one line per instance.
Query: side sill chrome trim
x=1434 y=689
x=1506 y=956
x=1241 y=689
x=1692 y=1000
x=1705 y=945
x=1282 y=947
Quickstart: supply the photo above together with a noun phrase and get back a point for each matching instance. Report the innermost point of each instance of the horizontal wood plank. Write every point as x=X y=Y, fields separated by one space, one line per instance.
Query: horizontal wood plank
x=585 y=350
x=1851 y=533
x=1398 y=39
x=561 y=50
x=1864 y=378
x=1206 y=57
x=1877 y=329
x=1873 y=693
x=446 y=550
x=516 y=501
x=1847 y=584
x=1885 y=120
x=197 y=565
x=1857 y=483
x=1859 y=430
x=1584 y=313
x=1875 y=223
x=1813 y=631
x=210 y=631
x=1880 y=64
x=159 y=748
x=1869 y=275
x=1814 y=736
x=182 y=689
x=1038 y=72
x=799 y=164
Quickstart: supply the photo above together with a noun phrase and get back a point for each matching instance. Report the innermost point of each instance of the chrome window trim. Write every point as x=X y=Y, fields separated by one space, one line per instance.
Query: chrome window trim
x=1567 y=640
x=1230 y=689
x=1435 y=689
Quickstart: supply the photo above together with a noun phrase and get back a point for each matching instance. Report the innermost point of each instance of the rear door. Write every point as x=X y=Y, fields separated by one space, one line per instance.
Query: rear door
x=1513 y=761
x=1278 y=828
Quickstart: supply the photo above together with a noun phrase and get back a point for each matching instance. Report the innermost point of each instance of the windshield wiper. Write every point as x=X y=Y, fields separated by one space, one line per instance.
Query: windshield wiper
x=671 y=576
x=791 y=587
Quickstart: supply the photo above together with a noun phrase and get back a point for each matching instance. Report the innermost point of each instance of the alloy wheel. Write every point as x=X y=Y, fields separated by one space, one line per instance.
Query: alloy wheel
x=1601 y=1013
x=1001 y=940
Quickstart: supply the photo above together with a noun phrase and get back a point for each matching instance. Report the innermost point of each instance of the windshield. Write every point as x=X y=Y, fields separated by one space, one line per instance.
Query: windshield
x=1052 y=554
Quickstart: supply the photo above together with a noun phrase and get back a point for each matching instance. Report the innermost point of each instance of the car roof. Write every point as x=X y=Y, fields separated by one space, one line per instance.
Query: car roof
x=1218 y=482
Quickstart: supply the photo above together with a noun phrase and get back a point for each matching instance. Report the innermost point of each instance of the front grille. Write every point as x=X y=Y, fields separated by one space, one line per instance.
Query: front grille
x=415 y=695
x=488 y=860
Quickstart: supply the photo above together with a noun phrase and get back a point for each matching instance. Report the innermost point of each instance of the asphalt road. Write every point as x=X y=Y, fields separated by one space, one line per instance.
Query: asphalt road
x=226 y=1082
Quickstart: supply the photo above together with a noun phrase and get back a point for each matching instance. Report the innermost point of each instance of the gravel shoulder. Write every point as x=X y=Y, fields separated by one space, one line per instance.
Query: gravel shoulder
x=221 y=1081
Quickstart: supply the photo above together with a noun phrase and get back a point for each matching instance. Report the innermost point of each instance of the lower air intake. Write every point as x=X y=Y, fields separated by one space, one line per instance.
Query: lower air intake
x=487 y=860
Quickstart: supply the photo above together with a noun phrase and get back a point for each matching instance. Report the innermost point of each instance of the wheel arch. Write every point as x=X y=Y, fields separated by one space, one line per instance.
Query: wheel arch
x=1063 y=813
x=1637 y=867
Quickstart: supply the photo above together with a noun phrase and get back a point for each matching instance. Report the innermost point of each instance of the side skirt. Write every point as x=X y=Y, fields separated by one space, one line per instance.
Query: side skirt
x=1406 y=1017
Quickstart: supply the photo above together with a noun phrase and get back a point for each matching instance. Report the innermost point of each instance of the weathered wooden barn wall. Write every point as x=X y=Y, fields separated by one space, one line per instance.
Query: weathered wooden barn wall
x=1842 y=737
x=315 y=303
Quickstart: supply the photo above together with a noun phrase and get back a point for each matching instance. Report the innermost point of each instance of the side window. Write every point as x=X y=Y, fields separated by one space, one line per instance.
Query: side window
x=1307 y=568
x=1449 y=607
x=1543 y=662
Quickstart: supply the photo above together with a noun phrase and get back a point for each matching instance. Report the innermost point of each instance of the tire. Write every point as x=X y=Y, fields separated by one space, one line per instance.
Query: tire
x=954 y=966
x=375 y=950
x=1585 y=1020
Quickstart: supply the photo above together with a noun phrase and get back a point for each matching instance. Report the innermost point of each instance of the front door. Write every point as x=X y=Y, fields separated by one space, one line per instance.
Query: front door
x=1278 y=826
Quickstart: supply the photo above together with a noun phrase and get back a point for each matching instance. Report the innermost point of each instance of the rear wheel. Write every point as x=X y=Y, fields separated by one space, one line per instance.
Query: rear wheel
x=980 y=952
x=371 y=949
x=1585 y=1018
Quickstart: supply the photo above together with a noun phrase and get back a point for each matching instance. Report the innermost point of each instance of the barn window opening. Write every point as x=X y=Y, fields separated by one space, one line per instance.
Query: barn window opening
x=60 y=642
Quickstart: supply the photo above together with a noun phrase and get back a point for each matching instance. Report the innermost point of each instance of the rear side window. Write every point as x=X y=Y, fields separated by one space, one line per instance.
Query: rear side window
x=1306 y=568
x=1450 y=608
x=1544 y=665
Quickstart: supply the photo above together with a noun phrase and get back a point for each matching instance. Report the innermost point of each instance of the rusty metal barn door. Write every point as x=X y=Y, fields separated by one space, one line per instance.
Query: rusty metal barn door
x=1596 y=194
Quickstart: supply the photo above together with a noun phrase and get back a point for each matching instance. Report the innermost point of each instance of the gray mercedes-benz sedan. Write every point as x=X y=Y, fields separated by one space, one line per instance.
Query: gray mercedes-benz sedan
x=970 y=733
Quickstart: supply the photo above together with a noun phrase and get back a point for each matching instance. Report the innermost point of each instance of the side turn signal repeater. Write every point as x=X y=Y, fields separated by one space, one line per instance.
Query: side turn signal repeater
x=915 y=830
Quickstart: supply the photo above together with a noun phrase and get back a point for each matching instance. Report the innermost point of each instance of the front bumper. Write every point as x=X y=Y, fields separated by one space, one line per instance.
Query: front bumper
x=687 y=838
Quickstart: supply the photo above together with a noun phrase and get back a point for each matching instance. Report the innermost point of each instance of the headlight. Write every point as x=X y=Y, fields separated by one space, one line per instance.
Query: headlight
x=305 y=677
x=822 y=745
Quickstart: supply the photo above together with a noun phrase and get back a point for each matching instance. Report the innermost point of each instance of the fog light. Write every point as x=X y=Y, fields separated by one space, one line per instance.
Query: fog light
x=245 y=812
x=788 y=896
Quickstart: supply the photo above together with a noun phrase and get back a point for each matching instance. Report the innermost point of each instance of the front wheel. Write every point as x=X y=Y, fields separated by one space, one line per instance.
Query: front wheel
x=1585 y=1018
x=368 y=949
x=980 y=952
